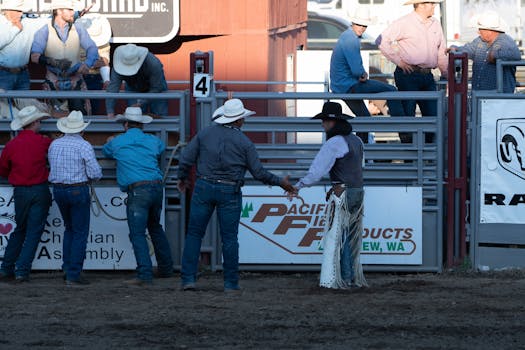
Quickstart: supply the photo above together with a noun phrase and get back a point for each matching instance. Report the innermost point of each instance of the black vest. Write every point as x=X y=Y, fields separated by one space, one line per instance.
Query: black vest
x=349 y=168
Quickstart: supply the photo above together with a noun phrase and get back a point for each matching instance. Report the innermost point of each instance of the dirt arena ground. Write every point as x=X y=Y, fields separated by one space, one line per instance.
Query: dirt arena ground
x=274 y=311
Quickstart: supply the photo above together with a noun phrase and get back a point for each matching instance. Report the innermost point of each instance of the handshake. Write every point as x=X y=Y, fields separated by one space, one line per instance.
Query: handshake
x=285 y=184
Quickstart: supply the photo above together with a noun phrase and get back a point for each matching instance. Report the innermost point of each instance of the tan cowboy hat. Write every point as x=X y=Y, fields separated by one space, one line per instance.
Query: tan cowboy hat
x=128 y=59
x=64 y=4
x=73 y=123
x=134 y=114
x=26 y=116
x=15 y=5
x=231 y=111
x=361 y=16
x=490 y=20
x=410 y=2
x=97 y=26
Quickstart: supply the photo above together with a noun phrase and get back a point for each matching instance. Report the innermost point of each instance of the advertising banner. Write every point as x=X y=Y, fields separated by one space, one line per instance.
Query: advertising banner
x=132 y=21
x=502 y=163
x=275 y=230
x=108 y=246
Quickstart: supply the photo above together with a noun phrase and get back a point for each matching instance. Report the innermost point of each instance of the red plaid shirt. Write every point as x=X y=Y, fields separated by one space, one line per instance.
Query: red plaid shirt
x=24 y=159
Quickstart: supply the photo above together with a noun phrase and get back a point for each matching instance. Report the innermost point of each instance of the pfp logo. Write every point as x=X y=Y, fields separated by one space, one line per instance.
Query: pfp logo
x=511 y=145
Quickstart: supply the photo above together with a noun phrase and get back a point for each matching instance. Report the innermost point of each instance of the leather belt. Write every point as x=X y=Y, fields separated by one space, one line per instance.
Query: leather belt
x=15 y=70
x=421 y=70
x=220 y=181
x=85 y=183
x=140 y=183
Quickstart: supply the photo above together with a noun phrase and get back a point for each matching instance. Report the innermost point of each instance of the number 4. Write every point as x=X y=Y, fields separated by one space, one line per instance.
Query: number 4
x=201 y=86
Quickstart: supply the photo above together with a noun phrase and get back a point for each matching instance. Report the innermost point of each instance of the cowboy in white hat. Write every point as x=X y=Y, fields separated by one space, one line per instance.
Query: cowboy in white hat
x=61 y=53
x=24 y=163
x=491 y=44
x=416 y=45
x=222 y=154
x=73 y=165
x=99 y=29
x=15 y=45
x=142 y=72
x=137 y=156
x=347 y=73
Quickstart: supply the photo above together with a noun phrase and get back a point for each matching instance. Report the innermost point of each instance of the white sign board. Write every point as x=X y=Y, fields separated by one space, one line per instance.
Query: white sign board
x=108 y=246
x=502 y=163
x=274 y=230
x=201 y=84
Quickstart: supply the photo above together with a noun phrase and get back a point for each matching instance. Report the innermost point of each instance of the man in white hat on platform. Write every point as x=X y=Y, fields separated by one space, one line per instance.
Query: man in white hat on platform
x=347 y=73
x=222 y=154
x=137 y=155
x=415 y=44
x=142 y=72
x=15 y=43
x=492 y=44
x=24 y=163
x=73 y=165
x=57 y=46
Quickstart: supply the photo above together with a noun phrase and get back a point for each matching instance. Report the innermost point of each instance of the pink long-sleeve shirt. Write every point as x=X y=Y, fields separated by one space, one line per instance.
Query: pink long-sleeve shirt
x=416 y=41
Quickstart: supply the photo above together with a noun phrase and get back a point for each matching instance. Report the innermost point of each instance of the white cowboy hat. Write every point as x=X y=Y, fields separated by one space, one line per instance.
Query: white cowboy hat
x=64 y=4
x=26 y=116
x=15 y=5
x=231 y=111
x=127 y=59
x=361 y=16
x=97 y=26
x=410 y=2
x=134 y=114
x=73 y=123
x=490 y=20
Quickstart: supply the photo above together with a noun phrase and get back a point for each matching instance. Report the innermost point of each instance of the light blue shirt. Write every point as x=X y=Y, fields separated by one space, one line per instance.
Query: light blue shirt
x=40 y=41
x=137 y=155
x=15 y=44
x=72 y=160
x=333 y=148
x=346 y=64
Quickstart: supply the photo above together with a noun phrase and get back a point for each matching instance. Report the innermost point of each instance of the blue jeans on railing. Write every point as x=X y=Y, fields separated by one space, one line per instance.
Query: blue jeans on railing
x=157 y=106
x=31 y=208
x=143 y=210
x=359 y=108
x=228 y=200
x=416 y=82
x=15 y=81
x=75 y=207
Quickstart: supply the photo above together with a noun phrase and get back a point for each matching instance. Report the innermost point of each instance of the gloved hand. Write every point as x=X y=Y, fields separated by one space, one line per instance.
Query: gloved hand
x=62 y=64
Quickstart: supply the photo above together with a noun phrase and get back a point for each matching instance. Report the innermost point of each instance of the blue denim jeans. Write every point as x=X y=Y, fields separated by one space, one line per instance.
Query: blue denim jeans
x=228 y=200
x=416 y=82
x=12 y=81
x=74 y=203
x=31 y=208
x=157 y=107
x=143 y=210
x=354 y=198
x=372 y=86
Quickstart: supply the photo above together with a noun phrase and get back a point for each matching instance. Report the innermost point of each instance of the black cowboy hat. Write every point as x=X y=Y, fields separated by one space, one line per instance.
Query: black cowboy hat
x=332 y=111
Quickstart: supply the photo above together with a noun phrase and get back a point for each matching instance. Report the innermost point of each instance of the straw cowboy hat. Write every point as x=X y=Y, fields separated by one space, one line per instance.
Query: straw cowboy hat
x=410 y=2
x=97 y=26
x=231 y=111
x=73 y=123
x=15 y=5
x=134 y=114
x=490 y=20
x=361 y=16
x=26 y=116
x=64 y=4
x=127 y=59
x=332 y=111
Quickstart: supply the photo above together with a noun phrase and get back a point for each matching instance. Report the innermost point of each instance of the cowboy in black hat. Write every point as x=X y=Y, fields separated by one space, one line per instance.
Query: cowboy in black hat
x=342 y=157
